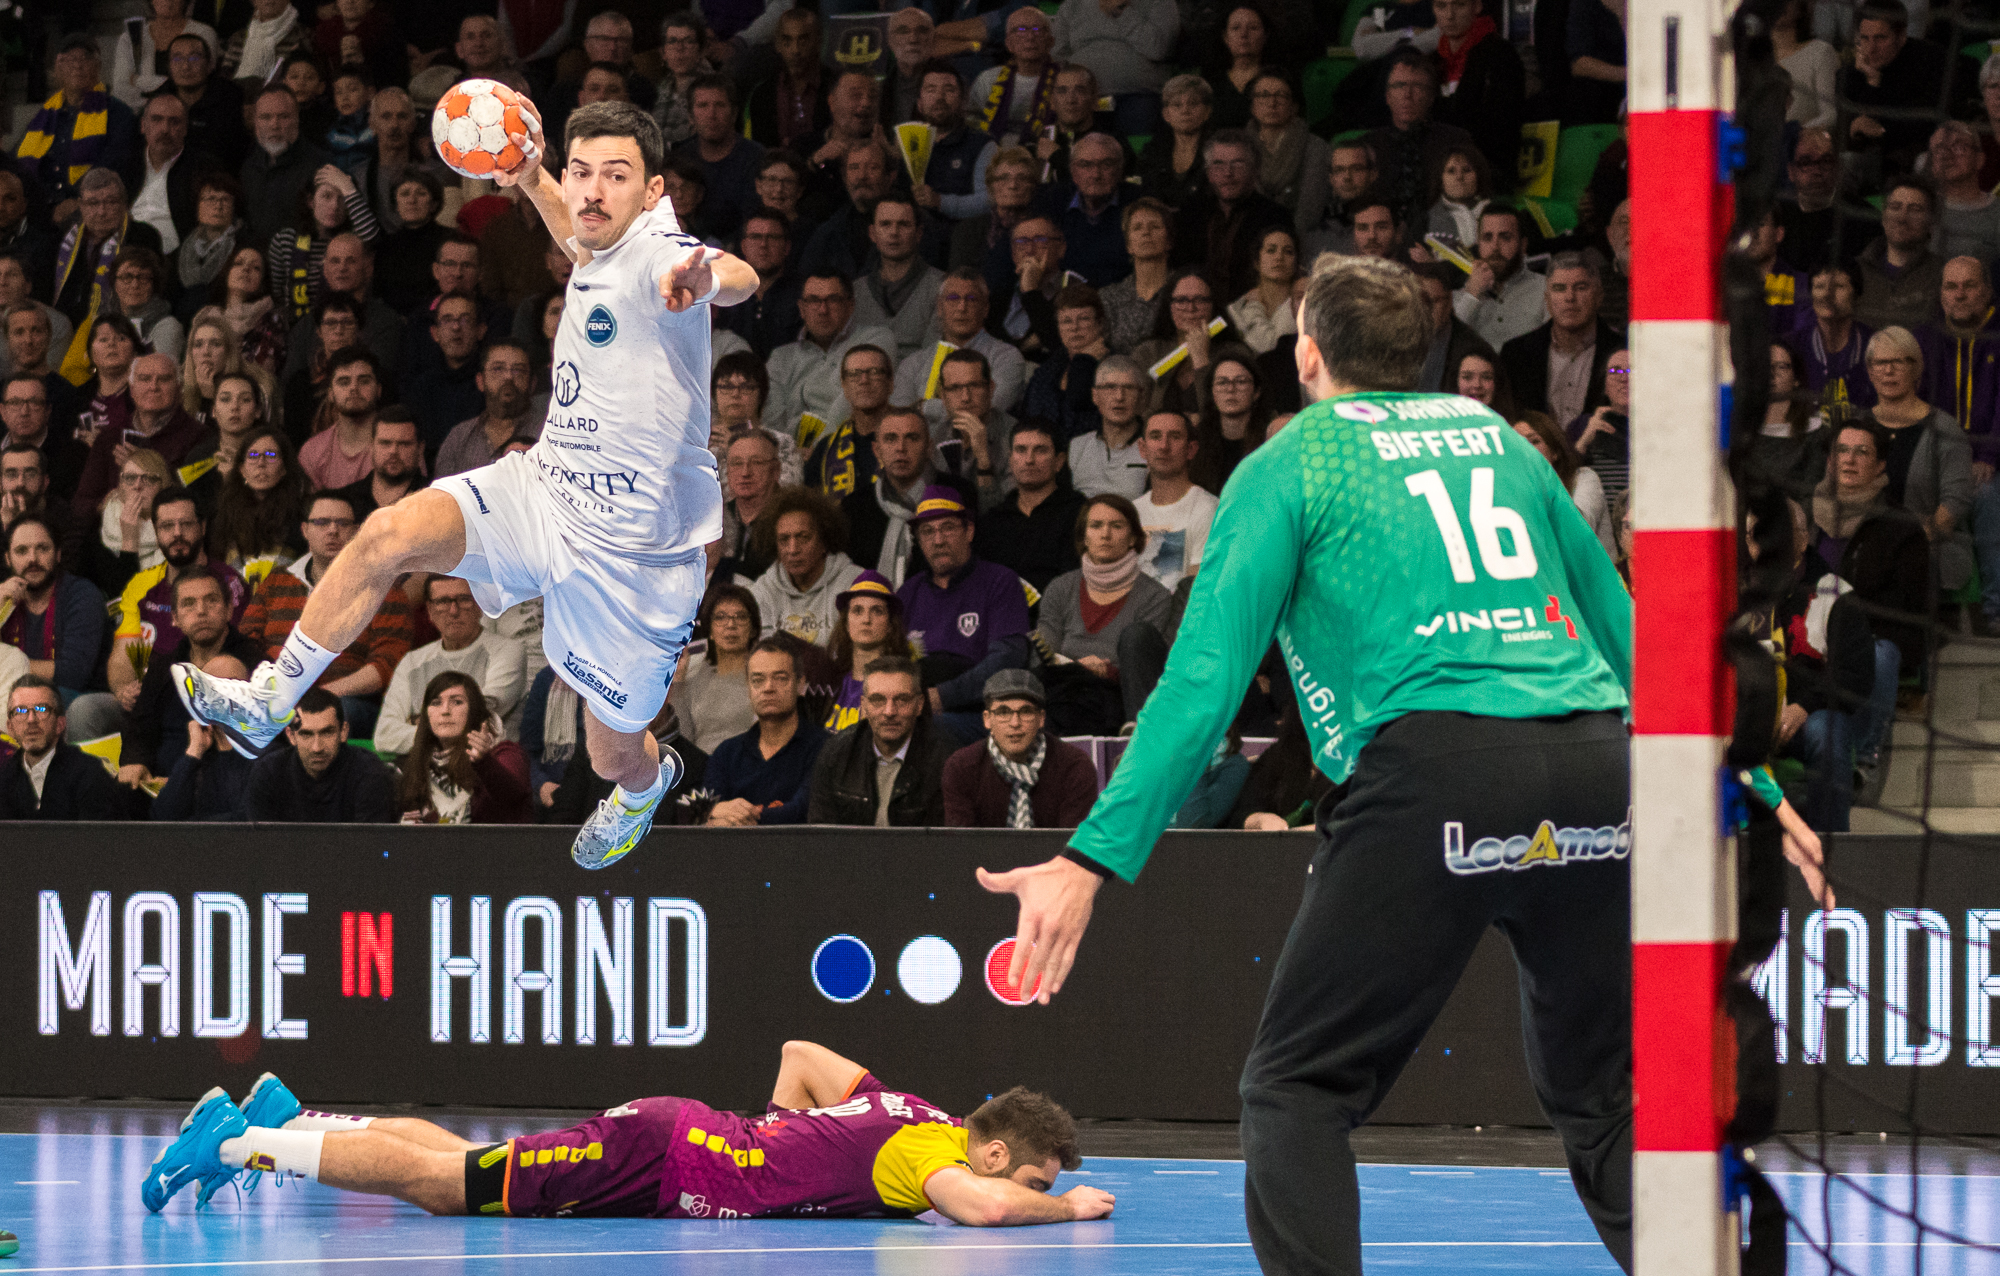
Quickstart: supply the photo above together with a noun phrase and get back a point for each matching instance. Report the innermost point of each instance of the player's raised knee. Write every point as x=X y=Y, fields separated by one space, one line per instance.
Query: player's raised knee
x=422 y=532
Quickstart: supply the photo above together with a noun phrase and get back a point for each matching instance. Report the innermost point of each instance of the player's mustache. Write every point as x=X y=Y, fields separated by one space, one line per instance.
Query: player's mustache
x=592 y=206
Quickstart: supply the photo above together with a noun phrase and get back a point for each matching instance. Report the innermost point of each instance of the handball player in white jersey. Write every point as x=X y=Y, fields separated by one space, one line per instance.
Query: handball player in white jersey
x=605 y=518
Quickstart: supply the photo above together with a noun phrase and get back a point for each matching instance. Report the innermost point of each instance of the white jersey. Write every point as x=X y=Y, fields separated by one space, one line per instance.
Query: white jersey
x=624 y=451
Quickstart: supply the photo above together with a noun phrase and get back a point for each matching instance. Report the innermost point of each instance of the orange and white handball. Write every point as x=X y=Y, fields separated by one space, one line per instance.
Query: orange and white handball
x=475 y=127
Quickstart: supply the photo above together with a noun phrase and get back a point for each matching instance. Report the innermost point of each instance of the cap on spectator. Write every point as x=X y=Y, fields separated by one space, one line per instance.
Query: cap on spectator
x=430 y=84
x=873 y=584
x=1015 y=684
x=78 y=41
x=941 y=502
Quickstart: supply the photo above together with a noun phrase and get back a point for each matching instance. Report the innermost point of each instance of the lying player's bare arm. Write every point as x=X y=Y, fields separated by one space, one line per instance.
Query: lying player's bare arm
x=811 y=1076
x=976 y=1200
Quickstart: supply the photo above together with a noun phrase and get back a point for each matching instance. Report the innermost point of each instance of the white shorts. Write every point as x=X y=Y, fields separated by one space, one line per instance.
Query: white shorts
x=613 y=629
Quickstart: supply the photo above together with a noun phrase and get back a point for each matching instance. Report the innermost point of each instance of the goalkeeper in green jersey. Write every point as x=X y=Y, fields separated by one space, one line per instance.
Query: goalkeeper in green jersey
x=1461 y=648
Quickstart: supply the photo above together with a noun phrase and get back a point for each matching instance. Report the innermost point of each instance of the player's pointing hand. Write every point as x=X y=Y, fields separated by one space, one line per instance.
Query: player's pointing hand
x=687 y=282
x=1056 y=901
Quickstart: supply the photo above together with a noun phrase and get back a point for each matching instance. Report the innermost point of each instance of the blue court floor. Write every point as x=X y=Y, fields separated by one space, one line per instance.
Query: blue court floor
x=72 y=1196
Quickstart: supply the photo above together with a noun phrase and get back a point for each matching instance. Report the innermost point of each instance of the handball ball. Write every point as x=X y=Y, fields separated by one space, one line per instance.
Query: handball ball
x=471 y=125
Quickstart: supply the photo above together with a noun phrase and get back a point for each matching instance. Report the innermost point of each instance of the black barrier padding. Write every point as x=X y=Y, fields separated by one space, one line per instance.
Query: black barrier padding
x=1155 y=1021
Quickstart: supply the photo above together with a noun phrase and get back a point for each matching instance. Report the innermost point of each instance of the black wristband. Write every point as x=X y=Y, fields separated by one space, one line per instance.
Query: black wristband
x=1078 y=857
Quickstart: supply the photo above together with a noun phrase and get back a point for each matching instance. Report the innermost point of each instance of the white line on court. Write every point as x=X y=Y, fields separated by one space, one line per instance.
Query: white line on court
x=1187 y=1171
x=1441 y=1174
x=48 y=1183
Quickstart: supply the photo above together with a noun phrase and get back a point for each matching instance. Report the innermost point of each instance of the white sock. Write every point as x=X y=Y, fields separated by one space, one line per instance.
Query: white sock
x=299 y=666
x=635 y=803
x=290 y=1151
x=328 y=1122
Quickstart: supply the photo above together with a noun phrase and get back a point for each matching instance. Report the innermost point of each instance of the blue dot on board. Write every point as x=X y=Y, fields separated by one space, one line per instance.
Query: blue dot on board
x=843 y=969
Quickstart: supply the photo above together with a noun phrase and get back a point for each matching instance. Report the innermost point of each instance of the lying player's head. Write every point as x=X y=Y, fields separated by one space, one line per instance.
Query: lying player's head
x=613 y=173
x=1023 y=1136
x=1364 y=325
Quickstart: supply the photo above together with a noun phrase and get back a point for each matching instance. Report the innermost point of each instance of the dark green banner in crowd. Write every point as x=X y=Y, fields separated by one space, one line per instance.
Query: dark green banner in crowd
x=481 y=967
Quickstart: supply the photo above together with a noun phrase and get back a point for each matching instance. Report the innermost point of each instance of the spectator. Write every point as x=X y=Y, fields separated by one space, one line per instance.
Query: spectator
x=1928 y=461
x=711 y=691
x=976 y=431
x=1232 y=420
x=1028 y=318
x=781 y=188
x=878 y=515
x=805 y=375
x=1019 y=776
x=1816 y=232
x=1089 y=210
x=1351 y=176
x=1170 y=170
x=1900 y=275
x=329 y=205
x=350 y=274
x=459 y=769
x=911 y=37
x=1127 y=51
x=1103 y=655
x=1109 y=459
x=1813 y=66
x=886 y=770
x=56 y=619
x=1617 y=267
x=1240 y=55
x=1266 y=313
x=214 y=102
x=796 y=596
x=261 y=504
x=147 y=613
x=970 y=617
x=165 y=174
x=1834 y=368
x=683 y=37
x=24 y=406
x=1061 y=389
x=1787 y=293
x=1377 y=230
x=764 y=776
x=158 y=422
x=1413 y=145
x=1601 y=437
x=841 y=243
x=1220 y=227
x=901 y=293
x=86 y=262
x=870 y=628
x=504 y=379
x=728 y=160
x=481 y=48
x=107 y=396
x=28 y=333
x=1460 y=189
x=321 y=779
x=280 y=166
x=1596 y=46
x=406 y=252
x=125 y=542
x=1557 y=367
x=985 y=241
x=1881 y=548
x=274 y=35
x=49 y=778
x=960 y=324
x=1451 y=338
x=1960 y=354
x=789 y=109
x=1011 y=102
x=214 y=353
x=1032 y=530
x=209 y=777
x=1478 y=376
x=1483 y=85
x=750 y=473
x=1183 y=345
x=359 y=675
x=16 y=290
x=1172 y=515
x=1293 y=159
x=1502 y=299
x=444 y=392
x=79 y=128
x=1133 y=304
x=338 y=454
x=138 y=283
x=1791 y=450
x=496 y=664
x=156 y=722
x=770 y=317
x=1893 y=89
x=954 y=182
x=1579 y=480
x=396 y=458
x=24 y=489
x=1969 y=222
x=240 y=296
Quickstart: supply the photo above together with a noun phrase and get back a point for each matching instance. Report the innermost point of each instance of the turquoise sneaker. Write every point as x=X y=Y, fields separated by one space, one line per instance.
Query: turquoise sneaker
x=196 y=1154
x=268 y=1106
x=240 y=710
x=609 y=834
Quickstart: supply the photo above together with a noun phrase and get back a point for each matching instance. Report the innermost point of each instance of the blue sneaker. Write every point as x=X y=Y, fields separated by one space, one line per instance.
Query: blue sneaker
x=196 y=1154
x=610 y=833
x=243 y=711
x=268 y=1106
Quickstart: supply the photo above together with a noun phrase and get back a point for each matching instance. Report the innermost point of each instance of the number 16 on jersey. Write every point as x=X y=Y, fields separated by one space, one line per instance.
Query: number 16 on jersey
x=1488 y=521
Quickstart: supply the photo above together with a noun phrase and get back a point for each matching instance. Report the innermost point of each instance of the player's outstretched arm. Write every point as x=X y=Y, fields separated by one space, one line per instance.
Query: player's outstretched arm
x=974 y=1200
x=811 y=1076
x=688 y=282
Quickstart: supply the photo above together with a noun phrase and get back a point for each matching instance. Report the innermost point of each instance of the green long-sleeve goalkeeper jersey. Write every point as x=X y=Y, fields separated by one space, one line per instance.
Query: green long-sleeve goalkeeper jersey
x=1411 y=552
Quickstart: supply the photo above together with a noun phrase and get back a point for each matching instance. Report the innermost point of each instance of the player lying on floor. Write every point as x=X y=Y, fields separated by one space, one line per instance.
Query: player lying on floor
x=832 y=1144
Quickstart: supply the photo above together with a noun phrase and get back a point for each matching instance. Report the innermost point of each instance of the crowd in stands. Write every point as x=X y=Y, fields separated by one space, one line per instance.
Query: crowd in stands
x=973 y=426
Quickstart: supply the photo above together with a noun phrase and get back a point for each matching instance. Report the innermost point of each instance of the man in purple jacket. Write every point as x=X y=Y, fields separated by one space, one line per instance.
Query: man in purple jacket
x=968 y=617
x=1962 y=376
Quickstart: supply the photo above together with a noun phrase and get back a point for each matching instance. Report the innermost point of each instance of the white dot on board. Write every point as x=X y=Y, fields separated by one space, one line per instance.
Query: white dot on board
x=929 y=970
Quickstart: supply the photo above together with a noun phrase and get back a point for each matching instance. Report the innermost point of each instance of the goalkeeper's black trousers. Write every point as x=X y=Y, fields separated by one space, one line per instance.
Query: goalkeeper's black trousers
x=1452 y=823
